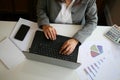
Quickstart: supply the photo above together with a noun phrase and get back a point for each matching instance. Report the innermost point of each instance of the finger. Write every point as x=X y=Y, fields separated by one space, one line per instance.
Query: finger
x=46 y=35
x=70 y=51
x=66 y=51
x=49 y=35
x=54 y=34
x=63 y=48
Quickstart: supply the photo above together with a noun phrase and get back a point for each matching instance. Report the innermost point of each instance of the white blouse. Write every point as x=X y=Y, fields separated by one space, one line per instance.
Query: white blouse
x=64 y=15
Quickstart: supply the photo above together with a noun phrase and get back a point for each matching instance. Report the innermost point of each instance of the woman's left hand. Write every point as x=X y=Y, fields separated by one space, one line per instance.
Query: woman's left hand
x=68 y=47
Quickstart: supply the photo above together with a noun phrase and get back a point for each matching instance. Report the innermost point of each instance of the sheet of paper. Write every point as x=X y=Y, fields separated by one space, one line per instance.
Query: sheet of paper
x=95 y=47
x=26 y=43
x=92 y=55
x=99 y=57
x=66 y=29
x=2 y=38
x=110 y=70
x=10 y=55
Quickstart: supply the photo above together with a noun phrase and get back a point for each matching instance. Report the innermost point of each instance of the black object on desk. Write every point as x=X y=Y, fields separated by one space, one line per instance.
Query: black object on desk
x=21 y=33
x=43 y=46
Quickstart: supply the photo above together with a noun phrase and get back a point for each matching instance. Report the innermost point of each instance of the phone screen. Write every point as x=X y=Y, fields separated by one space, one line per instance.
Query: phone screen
x=20 y=35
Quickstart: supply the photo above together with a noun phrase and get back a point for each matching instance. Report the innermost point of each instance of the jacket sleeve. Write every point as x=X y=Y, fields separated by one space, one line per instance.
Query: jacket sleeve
x=90 y=22
x=42 y=17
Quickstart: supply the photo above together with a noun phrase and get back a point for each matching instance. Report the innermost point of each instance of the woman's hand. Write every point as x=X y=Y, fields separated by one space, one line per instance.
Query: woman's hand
x=49 y=32
x=68 y=47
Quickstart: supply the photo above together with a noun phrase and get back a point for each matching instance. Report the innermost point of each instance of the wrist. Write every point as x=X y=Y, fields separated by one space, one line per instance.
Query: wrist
x=78 y=42
x=75 y=40
x=45 y=26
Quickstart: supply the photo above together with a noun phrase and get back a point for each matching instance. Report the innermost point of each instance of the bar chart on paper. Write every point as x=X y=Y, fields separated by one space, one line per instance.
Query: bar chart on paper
x=93 y=69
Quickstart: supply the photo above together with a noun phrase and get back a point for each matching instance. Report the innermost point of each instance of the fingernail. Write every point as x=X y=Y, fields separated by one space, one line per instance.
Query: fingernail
x=47 y=37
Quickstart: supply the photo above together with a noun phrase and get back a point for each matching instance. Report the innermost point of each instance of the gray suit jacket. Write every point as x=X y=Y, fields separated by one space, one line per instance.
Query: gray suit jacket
x=84 y=14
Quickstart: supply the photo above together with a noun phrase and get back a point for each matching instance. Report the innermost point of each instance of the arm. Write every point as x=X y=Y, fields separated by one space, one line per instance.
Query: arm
x=42 y=17
x=90 y=22
x=43 y=20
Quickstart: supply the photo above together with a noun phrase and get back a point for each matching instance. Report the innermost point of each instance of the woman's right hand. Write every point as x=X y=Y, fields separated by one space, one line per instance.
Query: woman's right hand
x=50 y=32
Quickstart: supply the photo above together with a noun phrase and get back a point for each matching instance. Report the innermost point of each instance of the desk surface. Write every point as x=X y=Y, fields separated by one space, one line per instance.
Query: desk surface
x=32 y=70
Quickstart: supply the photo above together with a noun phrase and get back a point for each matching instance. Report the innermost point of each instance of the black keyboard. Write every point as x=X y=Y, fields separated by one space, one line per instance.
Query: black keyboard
x=43 y=46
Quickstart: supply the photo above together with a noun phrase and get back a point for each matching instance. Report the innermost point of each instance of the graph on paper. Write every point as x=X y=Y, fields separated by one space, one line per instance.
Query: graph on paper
x=96 y=50
x=93 y=69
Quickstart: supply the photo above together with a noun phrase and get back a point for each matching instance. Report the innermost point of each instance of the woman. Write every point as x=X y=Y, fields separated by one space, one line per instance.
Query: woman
x=83 y=12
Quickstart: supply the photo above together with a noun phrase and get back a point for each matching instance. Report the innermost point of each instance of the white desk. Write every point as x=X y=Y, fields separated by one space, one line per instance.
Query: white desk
x=32 y=70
